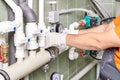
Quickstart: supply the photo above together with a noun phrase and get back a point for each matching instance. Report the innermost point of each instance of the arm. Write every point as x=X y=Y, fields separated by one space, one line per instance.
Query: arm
x=94 y=41
x=96 y=38
x=100 y=28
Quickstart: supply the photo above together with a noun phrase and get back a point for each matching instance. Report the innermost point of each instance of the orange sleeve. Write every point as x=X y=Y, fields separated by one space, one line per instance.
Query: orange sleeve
x=117 y=21
x=117 y=31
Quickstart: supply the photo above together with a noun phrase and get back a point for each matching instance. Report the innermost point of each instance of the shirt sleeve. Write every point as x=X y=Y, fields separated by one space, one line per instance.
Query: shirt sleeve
x=117 y=21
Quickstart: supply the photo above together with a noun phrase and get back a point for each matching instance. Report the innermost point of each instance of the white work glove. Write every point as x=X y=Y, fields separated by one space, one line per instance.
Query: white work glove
x=55 y=39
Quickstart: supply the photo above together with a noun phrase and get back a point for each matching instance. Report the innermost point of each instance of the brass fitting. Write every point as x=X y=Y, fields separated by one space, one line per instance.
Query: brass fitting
x=5 y=47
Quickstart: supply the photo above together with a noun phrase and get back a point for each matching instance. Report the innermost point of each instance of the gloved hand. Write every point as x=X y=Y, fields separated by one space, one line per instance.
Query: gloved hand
x=58 y=39
x=55 y=39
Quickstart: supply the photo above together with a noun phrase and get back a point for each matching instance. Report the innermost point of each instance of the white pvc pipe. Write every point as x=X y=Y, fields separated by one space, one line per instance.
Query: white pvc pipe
x=41 y=11
x=1 y=65
x=1 y=77
x=19 y=36
x=42 y=25
x=7 y=26
x=30 y=30
x=74 y=25
x=19 y=70
x=72 y=54
x=30 y=3
x=79 y=75
x=17 y=10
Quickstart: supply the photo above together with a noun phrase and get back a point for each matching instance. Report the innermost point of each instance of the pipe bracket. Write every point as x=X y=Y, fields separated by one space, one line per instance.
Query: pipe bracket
x=54 y=51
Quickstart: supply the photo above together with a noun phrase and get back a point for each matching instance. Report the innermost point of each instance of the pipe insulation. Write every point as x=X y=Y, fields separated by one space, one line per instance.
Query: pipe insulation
x=11 y=15
x=27 y=12
x=79 y=75
x=19 y=70
x=12 y=48
x=31 y=26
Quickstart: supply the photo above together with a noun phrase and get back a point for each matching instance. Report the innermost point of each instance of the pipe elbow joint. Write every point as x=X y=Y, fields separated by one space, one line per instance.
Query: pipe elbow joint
x=74 y=25
x=29 y=14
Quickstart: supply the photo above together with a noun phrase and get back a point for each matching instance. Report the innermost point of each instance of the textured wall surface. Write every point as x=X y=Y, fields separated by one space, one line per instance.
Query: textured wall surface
x=3 y=11
x=62 y=64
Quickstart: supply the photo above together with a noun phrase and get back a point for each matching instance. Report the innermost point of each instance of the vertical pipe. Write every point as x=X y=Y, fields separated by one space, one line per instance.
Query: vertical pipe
x=53 y=5
x=41 y=26
x=12 y=48
x=30 y=3
x=41 y=11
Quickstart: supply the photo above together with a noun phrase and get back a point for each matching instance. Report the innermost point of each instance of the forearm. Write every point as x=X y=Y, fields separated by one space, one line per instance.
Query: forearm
x=85 y=41
x=100 y=28
x=93 y=41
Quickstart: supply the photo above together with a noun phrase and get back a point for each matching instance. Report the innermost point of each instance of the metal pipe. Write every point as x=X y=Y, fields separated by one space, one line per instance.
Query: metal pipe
x=97 y=70
x=77 y=9
x=79 y=75
x=99 y=8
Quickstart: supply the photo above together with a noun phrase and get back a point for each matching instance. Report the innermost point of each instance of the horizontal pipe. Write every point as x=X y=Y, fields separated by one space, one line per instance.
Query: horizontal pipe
x=85 y=70
x=7 y=26
x=19 y=70
x=77 y=9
